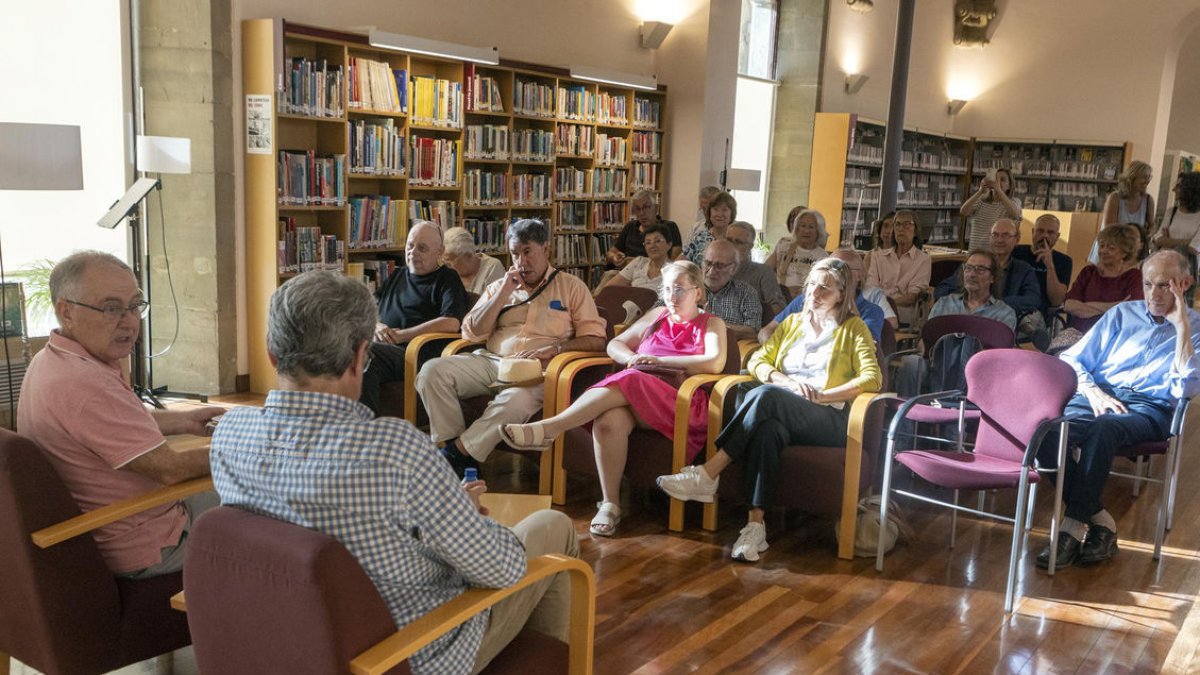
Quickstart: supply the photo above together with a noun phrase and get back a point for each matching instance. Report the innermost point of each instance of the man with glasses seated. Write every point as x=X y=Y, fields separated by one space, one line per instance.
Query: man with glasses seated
x=1014 y=282
x=760 y=277
x=105 y=445
x=629 y=242
x=736 y=302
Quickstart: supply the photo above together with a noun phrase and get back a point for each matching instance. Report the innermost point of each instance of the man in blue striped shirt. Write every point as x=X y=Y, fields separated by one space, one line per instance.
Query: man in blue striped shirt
x=314 y=456
x=1133 y=367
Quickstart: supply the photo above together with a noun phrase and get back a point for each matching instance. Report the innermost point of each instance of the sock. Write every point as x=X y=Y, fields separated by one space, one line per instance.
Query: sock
x=1104 y=519
x=1074 y=528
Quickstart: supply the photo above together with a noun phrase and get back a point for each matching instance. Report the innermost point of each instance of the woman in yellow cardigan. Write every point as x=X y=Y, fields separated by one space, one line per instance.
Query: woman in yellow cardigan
x=817 y=361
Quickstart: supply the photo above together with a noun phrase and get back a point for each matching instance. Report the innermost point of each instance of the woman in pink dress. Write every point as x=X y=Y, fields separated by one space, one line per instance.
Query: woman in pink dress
x=680 y=335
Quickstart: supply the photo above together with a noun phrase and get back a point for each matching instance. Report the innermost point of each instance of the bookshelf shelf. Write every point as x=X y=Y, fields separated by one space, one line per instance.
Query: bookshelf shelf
x=345 y=105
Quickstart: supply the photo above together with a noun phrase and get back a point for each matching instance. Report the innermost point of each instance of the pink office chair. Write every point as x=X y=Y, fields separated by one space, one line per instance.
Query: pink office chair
x=1020 y=396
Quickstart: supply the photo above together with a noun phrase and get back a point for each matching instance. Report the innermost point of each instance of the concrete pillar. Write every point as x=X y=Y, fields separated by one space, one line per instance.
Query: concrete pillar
x=801 y=41
x=187 y=79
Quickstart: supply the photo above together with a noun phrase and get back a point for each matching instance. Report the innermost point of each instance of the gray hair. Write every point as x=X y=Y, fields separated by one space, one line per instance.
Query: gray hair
x=743 y=225
x=528 y=231
x=67 y=275
x=822 y=233
x=644 y=195
x=317 y=321
x=459 y=241
x=1167 y=256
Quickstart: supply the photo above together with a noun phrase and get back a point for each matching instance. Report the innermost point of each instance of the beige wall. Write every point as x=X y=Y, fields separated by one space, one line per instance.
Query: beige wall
x=1071 y=69
x=1184 y=130
x=587 y=32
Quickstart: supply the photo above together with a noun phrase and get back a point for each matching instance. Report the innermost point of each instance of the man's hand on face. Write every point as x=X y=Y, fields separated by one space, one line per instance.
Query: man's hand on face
x=1178 y=314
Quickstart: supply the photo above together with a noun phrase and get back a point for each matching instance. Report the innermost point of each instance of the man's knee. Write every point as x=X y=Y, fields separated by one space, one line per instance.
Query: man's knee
x=431 y=375
x=548 y=531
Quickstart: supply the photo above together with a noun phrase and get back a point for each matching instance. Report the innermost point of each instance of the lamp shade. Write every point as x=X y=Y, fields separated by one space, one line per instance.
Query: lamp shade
x=40 y=157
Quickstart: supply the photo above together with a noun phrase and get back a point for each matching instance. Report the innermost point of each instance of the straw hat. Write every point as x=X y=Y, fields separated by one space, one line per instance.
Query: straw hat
x=516 y=372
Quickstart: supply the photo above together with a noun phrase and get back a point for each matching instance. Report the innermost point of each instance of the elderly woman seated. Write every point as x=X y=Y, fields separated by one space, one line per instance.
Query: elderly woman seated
x=1113 y=279
x=475 y=269
x=818 y=360
x=645 y=271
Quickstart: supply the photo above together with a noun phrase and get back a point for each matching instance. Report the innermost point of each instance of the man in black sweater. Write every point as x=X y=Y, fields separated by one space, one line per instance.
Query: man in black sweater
x=422 y=297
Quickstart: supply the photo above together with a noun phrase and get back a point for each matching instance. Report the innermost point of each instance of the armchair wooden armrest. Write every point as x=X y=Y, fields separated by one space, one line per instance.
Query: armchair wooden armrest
x=746 y=347
x=411 y=366
x=97 y=518
x=716 y=421
x=564 y=382
x=855 y=435
x=683 y=404
x=458 y=346
x=407 y=641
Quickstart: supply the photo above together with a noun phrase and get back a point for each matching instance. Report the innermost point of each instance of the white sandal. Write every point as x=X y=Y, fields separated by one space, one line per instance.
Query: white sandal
x=532 y=437
x=606 y=520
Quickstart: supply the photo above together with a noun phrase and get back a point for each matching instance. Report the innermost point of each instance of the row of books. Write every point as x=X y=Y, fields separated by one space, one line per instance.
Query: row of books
x=647 y=145
x=609 y=215
x=375 y=85
x=313 y=88
x=444 y=212
x=610 y=183
x=533 y=98
x=571 y=216
x=487 y=141
x=574 y=139
x=647 y=113
x=377 y=147
x=436 y=102
x=571 y=182
x=531 y=189
x=533 y=145
x=488 y=233
x=308 y=180
x=434 y=161
x=611 y=150
x=599 y=183
x=572 y=249
x=484 y=188
x=482 y=91
x=611 y=109
x=376 y=221
x=306 y=249
x=576 y=102
x=373 y=273
x=600 y=245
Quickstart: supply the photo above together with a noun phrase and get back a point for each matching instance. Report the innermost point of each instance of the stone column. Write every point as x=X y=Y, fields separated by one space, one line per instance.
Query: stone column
x=186 y=70
x=801 y=42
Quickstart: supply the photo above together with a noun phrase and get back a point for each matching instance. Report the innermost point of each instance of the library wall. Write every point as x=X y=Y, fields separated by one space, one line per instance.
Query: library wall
x=1053 y=70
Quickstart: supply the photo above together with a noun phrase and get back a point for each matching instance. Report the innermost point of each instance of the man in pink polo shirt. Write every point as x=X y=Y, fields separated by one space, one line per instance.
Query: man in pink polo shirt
x=106 y=445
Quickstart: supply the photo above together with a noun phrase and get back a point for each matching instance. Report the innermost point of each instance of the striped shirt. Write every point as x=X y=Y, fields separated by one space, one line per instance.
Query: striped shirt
x=379 y=487
x=982 y=217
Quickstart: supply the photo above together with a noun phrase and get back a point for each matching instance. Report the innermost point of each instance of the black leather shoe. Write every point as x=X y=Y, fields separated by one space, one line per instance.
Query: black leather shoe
x=458 y=461
x=1068 y=553
x=1099 y=545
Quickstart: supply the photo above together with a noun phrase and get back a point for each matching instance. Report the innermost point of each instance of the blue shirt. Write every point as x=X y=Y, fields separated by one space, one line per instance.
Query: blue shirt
x=871 y=313
x=994 y=308
x=1128 y=349
x=380 y=488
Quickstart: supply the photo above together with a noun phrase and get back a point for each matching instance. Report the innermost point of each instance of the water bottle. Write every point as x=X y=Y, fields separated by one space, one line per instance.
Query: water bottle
x=470 y=475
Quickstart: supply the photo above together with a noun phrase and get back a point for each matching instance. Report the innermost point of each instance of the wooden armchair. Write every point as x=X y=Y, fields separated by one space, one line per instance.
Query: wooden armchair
x=655 y=454
x=61 y=609
x=322 y=614
x=400 y=398
x=819 y=479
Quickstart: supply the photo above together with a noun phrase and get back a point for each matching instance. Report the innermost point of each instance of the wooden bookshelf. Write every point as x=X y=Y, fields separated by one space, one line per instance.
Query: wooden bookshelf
x=483 y=157
x=1048 y=175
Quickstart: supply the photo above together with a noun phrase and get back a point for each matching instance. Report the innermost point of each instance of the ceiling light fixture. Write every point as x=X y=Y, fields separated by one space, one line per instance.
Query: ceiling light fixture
x=647 y=83
x=416 y=45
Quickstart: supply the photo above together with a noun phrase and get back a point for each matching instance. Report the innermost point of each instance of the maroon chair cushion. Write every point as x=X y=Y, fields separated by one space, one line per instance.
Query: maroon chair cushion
x=530 y=653
x=964 y=470
x=60 y=608
x=268 y=596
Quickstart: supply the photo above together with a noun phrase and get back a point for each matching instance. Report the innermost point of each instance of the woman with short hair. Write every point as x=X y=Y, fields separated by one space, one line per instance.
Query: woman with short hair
x=721 y=211
x=1114 y=278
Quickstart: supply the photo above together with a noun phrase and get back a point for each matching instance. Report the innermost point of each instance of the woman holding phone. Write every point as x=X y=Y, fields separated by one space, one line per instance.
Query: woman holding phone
x=991 y=202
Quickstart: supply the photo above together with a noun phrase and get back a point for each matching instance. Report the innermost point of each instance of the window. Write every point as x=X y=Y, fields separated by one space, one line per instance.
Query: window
x=759 y=36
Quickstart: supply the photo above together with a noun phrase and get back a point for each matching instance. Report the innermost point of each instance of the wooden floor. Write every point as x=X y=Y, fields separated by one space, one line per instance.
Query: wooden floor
x=676 y=603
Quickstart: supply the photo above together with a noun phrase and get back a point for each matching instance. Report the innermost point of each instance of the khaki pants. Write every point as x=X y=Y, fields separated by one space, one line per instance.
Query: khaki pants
x=444 y=382
x=544 y=606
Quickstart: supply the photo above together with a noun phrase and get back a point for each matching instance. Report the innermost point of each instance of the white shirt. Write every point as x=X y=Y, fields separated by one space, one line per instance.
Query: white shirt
x=637 y=273
x=807 y=360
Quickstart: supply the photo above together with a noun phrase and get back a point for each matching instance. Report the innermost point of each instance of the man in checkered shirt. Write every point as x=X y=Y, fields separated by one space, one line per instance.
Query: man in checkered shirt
x=314 y=456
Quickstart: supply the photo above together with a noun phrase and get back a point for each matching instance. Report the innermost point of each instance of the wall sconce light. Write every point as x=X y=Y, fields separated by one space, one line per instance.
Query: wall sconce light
x=955 y=106
x=653 y=33
x=855 y=82
x=416 y=45
x=615 y=78
x=861 y=6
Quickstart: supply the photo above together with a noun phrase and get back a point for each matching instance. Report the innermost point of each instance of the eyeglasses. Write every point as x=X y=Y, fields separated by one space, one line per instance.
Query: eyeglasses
x=1003 y=235
x=367 y=359
x=114 y=311
x=975 y=269
x=899 y=224
x=675 y=291
x=718 y=266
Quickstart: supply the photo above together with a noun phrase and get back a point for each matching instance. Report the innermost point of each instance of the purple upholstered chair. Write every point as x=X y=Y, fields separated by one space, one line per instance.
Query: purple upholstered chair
x=1020 y=396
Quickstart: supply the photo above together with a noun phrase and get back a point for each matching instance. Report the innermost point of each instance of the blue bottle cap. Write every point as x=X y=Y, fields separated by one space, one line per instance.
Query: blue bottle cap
x=470 y=474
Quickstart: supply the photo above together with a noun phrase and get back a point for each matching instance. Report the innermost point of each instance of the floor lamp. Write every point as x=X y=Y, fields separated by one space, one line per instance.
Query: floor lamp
x=34 y=157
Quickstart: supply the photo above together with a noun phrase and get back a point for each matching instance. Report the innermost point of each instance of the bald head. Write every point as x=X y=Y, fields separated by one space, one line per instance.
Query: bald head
x=1004 y=238
x=1164 y=274
x=721 y=262
x=423 y=252
x=852 y=259
x=1045 y=231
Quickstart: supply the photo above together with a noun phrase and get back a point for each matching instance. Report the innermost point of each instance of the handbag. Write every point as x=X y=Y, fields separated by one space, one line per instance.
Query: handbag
x=866 y=530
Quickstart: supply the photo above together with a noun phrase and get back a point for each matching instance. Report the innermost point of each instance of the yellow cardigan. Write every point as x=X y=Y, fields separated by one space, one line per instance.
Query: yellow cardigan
x=853 y=358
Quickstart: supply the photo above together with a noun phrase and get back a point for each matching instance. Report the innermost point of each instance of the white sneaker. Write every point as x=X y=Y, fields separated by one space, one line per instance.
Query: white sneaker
x=750 y=542
x=690 y=484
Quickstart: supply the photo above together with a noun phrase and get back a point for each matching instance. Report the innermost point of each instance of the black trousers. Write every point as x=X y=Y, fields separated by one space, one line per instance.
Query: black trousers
x=387 y=365
x=769 y=419
x=1098 y=439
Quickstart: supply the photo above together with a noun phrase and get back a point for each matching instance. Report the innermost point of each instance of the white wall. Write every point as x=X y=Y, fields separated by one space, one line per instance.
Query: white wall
x=65 y=72
x=1184 y=130
x=1071 y=69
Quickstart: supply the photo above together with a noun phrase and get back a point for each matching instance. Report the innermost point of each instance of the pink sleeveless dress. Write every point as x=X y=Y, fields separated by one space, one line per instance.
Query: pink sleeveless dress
x=653 y=399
